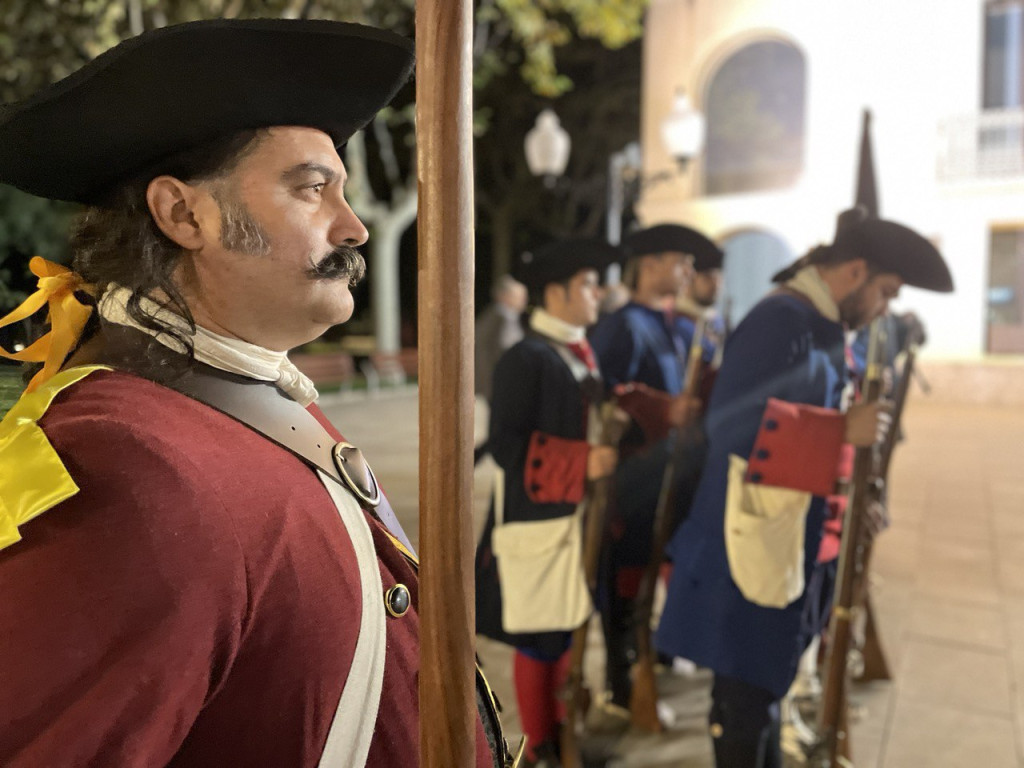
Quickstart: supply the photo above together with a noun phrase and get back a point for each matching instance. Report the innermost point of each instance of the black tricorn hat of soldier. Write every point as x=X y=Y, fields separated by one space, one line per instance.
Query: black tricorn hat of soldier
x=185 y=85
x=886 y=245
x=674 y=238
x=560 y=260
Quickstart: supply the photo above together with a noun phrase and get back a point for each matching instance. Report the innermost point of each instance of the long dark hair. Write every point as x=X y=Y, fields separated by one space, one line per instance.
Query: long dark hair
x=117 y=241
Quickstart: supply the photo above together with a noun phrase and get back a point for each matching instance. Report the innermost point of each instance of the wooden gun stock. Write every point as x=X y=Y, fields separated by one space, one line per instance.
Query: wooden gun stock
x=833 y=730
x=875 y=665
x=643 y=700
x=577 y=697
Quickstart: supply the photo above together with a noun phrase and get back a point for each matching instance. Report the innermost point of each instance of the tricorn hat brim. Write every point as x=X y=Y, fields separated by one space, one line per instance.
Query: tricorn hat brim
x=561 y=260
x=182 y=86
x=887 y=246
x=674 y=238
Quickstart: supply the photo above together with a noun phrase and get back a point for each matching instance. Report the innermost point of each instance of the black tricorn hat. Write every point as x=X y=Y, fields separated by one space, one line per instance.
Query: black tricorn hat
x=560 y=260
x=888 y=246
x=182 y=86
x=674 y=238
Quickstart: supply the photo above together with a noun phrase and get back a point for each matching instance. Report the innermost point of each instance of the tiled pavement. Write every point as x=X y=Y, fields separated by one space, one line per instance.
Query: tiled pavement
x=949 y=592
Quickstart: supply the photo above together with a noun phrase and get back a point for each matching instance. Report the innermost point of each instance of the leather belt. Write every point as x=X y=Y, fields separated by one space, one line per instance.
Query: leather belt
x=266 y=409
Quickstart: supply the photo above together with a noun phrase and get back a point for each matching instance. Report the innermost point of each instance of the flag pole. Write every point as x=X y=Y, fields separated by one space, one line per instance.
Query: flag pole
x=444 y=117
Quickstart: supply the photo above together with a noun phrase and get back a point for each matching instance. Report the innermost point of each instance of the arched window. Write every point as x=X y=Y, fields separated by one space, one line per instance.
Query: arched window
x=755 y=119
x=751 y=258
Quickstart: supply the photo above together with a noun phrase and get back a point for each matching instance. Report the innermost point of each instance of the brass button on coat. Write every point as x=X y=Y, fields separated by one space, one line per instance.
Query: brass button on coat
x=397 y=600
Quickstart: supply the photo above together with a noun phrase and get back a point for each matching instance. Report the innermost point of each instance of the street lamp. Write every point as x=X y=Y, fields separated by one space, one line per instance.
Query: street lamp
x=547 y=148
x=682 y=131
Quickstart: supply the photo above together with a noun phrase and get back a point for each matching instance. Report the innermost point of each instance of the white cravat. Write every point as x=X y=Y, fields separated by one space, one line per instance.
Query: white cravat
x=231 y=355
x=547 y=324
x=808 y=282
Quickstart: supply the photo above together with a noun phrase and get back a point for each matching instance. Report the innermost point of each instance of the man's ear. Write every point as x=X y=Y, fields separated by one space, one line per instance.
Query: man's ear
x=180 y=211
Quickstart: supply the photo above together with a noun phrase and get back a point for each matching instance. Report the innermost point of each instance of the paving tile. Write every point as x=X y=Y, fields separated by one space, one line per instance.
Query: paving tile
x=961 y=623
x=934 y=736
x=950 y=566
x=960 y=677
x=892 y=600
x=1011 y=576
x=960 y=532
x=897 y=553
x=1007 y=499
x=958 y=569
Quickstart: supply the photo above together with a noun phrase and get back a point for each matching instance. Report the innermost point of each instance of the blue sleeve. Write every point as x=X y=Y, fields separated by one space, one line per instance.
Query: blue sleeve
x=766 y=356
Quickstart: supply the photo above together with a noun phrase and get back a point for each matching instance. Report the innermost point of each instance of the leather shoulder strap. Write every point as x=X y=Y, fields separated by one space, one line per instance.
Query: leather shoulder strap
x=267 y=410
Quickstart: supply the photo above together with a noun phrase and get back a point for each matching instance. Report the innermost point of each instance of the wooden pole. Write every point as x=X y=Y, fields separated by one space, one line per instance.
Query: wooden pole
x=445 y=162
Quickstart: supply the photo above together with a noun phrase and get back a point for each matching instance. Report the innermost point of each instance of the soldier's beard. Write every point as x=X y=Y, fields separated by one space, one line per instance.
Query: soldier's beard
x=852 y=309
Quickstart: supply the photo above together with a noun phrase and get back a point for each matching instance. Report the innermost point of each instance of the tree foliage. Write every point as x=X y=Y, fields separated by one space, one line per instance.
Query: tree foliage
x=525 y=52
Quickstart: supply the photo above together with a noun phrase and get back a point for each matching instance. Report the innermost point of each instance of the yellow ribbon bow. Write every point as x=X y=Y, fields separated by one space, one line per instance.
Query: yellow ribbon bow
x=57 y=286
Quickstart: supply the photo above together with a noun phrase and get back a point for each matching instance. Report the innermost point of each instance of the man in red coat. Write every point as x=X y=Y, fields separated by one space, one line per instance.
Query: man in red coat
x=196 y=570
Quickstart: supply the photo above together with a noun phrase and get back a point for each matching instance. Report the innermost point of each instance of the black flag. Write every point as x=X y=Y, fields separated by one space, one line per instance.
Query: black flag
x=867 y=191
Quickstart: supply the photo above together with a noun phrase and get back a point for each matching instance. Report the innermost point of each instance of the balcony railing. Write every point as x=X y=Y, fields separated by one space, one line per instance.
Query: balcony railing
x=985 y=145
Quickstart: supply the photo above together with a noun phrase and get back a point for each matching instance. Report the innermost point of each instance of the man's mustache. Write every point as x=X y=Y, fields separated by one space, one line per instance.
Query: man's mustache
x=344 y=262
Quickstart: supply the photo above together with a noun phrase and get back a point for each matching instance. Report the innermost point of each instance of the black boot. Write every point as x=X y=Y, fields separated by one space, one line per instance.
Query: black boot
x=744 y=725
x=620 y=643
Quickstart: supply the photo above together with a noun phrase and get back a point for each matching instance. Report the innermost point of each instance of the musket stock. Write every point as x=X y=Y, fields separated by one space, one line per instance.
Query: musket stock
x=577 y=697
x=875 y=666
x=643 y=700
x=833 y=728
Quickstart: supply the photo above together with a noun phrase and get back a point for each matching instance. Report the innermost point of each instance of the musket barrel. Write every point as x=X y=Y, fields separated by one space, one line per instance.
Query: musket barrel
x=865 y=471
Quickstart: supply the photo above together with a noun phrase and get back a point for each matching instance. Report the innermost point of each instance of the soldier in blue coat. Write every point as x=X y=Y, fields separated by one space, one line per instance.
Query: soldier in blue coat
x=640 y=346
x=541 y=436
x=747 y=592
x=697 y=300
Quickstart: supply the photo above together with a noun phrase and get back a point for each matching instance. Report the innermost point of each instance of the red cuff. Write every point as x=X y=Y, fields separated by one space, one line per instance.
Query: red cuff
x=797 y=447
x=556 y=469
x=647 y=407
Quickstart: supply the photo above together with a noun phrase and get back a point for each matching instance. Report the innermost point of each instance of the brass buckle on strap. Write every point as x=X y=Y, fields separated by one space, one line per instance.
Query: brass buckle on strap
x=356 y=473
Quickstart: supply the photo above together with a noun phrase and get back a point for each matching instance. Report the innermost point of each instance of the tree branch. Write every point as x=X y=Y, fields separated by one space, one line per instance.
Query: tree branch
x=386 y=149
x=358 y=189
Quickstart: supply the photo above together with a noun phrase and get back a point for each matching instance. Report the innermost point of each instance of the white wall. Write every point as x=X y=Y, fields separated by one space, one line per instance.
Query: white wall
x=913 y=63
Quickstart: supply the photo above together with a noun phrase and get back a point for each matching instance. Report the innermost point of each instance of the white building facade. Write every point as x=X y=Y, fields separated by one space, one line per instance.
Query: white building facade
x=783 y=83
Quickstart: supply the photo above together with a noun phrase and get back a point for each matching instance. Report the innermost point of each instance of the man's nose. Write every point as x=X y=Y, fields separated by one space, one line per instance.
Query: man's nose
x=347 y=228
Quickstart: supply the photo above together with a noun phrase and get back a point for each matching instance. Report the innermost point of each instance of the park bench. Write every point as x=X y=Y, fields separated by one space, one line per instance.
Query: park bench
x=390 y=369
x=330 y=369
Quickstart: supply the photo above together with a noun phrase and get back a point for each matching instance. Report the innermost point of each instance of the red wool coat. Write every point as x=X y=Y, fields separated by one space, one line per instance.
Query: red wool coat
x=197 y=603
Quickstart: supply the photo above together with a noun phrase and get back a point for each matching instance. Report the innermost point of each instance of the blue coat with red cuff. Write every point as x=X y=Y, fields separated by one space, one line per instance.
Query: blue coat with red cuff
x=775 y=404
x=637 y=344
x=538 y=436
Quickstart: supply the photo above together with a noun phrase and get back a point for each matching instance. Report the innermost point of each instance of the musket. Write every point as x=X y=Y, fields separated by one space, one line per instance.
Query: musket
x=643 y=700
x=873 y=662
x=833 y=747
x=577 y=698
x=444 y=151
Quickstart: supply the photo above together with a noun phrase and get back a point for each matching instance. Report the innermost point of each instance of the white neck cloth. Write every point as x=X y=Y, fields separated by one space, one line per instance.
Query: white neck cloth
x=231 y=355
x=808 y=282
x=545 y=323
